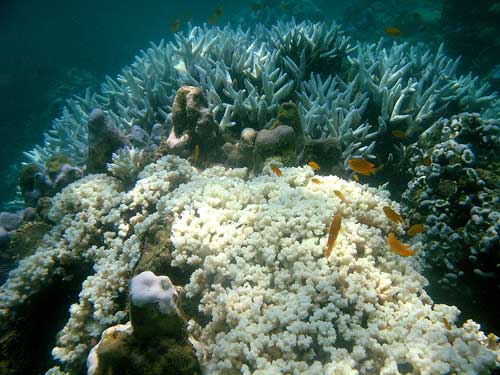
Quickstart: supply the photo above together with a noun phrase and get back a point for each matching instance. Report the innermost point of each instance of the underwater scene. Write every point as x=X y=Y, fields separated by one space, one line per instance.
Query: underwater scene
x=250 y=187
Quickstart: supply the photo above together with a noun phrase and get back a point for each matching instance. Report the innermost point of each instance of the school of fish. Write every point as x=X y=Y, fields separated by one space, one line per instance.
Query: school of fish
x=366 y=168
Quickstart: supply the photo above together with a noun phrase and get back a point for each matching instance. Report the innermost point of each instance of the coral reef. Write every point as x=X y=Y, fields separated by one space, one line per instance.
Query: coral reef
x=457 y=196
x=193 y=125
x=246 y=247
x=268 y=300
x=36 y=182
x=103 y=140
x=279 y=142
x=352 y=93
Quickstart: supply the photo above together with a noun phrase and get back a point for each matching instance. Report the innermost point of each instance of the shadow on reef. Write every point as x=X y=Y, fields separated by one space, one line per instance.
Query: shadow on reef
x=25 y=339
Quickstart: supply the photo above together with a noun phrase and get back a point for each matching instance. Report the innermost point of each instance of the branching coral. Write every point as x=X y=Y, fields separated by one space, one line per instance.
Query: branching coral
x=95 y=225
x=246 y=75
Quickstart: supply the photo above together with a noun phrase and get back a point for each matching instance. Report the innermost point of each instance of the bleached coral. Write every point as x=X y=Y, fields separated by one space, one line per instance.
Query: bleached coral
x=275 y=303
x=247 y=74
x=94 y=224
x=126 y=163
x=270 y=300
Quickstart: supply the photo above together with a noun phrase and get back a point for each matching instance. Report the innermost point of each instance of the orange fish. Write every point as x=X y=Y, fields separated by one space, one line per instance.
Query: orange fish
x=196 y=154
x=316 y=180
x=276 y=170
x=175 y=25
x=392 y=31
x=398 y=247
x=392 y=215
x=446 y=324
x=362 y=166
x=427 y=160
x=415 y=229
x=333 y=233
x=399 y=134
x=313 y=165
x=340 y=195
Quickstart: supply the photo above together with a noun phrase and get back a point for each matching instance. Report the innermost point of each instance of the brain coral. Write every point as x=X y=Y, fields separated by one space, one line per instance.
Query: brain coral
x=268 y=300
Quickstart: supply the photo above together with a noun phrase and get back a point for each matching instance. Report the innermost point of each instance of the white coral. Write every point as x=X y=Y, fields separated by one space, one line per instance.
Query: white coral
x=276 y=305
x=126 y=163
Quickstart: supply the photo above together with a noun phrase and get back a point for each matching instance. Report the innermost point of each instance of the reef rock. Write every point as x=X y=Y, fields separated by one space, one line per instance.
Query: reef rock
x=154 y=342
x=103 y=139
x=193 y=124
x=277 y=142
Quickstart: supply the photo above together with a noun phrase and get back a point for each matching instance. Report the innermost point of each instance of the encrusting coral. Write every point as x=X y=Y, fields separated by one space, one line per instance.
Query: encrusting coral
x=268 y=299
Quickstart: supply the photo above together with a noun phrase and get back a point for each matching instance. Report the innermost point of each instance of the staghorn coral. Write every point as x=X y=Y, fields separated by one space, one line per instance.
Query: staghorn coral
x=356 y=94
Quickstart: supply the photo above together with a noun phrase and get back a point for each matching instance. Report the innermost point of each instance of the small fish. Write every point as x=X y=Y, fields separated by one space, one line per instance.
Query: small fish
x=276 y=170
x=340 y=195
x=284 y=7
x=362 y=166
x=427 y=160
x=188 y=17
x=196 y=154
x=378 y=169
x=333 y=233
x=218 y=11
x=446 y=324
x=316 y=180
x=415 y=229
x=257 y=6
x=356 y=177
x=392 y=215
x=175 y=25
x=399 y=247
x=313 y=165
x=399 y=134
x=392 y=31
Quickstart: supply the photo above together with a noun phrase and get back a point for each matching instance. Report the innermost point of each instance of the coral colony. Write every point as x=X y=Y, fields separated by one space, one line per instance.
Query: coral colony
x=184 y=184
